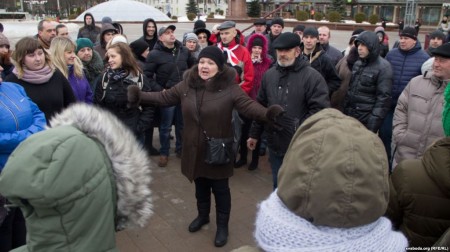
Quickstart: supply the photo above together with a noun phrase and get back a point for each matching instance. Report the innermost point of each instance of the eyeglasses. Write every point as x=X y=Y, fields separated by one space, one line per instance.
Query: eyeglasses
x=201 y=37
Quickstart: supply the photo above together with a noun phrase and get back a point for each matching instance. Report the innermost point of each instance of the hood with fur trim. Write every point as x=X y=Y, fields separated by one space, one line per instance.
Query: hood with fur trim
x=265 y=47
x=130 y=163
x=85 y=138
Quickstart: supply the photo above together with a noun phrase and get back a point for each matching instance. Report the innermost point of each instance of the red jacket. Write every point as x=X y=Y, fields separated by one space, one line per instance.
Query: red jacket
x=240 y=57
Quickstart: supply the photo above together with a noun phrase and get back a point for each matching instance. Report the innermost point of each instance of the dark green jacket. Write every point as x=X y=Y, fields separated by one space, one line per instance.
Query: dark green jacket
x=79 y=182
x=420 y=195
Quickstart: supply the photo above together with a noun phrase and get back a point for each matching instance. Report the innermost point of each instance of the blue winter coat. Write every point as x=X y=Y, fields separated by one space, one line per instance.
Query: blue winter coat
x=405 y=66
x=19 y=118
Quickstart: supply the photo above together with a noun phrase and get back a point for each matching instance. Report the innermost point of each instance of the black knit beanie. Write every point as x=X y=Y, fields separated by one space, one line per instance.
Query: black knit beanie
x=138 y=47
x=278 y=21
x=257 y=42
x=213 y=53
x=199 y=24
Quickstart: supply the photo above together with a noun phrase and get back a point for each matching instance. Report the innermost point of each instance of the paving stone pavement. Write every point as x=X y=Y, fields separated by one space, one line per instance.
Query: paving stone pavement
x=175 y=208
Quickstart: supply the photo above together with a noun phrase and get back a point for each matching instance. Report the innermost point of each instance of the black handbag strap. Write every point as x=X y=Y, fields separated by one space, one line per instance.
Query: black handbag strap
x=197 y=106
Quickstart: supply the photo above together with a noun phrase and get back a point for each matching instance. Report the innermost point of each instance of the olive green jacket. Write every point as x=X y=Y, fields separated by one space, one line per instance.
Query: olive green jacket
x=79 y=182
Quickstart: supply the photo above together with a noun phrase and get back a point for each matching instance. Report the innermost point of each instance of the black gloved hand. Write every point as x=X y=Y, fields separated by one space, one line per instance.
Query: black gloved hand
x=134 y=96
x=238 y=69
x=273 y=115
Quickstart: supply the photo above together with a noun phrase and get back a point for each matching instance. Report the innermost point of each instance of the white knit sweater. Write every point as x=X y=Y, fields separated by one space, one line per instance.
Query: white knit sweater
x=278 y=229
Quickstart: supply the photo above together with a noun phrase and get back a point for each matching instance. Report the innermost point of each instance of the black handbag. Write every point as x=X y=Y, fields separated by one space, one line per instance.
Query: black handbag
x=218 y=151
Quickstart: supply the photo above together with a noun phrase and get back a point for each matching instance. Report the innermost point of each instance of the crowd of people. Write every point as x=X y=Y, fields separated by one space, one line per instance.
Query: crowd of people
x=357 y=137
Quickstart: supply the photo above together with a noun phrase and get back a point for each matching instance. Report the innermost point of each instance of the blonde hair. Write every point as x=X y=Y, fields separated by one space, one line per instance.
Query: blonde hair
x=58 y=47
x=25 y=46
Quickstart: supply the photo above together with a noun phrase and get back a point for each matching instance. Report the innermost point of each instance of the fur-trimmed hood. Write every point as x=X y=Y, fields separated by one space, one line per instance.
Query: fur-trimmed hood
x=220 y=81
x=265 y=47
x=130 y=164
x=79 y=181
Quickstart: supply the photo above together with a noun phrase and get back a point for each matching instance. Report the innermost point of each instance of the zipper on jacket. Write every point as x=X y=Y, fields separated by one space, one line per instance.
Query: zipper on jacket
x=13 y=115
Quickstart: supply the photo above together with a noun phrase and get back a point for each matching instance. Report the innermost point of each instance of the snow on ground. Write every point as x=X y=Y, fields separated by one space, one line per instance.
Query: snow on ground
x=185 y=19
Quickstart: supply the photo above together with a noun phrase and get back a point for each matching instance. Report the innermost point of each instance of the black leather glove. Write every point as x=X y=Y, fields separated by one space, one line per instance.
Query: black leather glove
x=134 y=96
x=273 y=115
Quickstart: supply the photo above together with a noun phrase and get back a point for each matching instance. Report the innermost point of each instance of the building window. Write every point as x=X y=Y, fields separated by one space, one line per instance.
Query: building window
x=430 y=15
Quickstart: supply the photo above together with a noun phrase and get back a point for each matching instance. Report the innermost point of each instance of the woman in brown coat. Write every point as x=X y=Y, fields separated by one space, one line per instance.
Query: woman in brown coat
x=208 y=95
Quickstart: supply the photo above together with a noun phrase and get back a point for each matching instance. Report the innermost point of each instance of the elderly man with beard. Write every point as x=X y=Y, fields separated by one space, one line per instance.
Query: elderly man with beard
x=92 y=62
x=298 y=88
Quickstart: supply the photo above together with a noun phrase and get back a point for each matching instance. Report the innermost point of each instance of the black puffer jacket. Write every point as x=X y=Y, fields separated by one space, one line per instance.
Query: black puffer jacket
x=322 y=63
x=114 y=99
x=369 y=94
x=300 y=90
x=166 y=66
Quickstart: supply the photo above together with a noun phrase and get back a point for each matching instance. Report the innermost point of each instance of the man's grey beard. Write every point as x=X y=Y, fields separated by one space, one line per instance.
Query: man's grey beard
x=290 y=63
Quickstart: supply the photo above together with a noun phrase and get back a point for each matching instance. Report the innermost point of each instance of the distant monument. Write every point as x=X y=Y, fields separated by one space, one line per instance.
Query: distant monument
x=237 y=10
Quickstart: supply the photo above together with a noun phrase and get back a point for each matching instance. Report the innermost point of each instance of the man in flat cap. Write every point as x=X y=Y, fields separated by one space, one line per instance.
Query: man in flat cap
x=296 y=86
x=237 y=55
x=260 y=27
x=417 y=119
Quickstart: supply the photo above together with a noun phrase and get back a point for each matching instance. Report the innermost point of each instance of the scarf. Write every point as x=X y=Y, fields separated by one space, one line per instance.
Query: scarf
x=116 y=74
x=278 y=229
x=40 y=76
x=232 y=59
x=43 y=43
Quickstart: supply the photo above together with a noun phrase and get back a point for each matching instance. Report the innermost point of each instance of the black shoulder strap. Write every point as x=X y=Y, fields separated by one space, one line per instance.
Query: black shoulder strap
x=197 y=106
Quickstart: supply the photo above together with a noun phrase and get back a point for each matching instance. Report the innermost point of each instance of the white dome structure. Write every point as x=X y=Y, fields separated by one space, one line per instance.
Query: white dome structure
x=124 y=10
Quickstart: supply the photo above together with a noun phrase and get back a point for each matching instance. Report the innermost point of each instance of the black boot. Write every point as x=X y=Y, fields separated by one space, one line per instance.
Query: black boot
x=255 y=157
x=241 y=162
x=253 y=165
x=222 y=229
x=202 y=218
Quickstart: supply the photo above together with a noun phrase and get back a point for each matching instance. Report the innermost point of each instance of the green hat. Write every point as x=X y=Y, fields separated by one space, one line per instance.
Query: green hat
x=446 y=111
x=82 y=43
